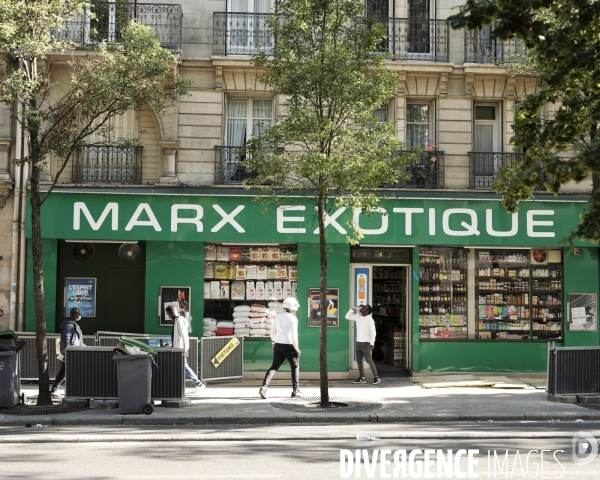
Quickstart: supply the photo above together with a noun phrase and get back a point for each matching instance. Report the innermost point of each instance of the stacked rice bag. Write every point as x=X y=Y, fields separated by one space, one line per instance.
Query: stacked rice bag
x=241 y=321
x=224 y=329
x=210 y=327
x=258 y=321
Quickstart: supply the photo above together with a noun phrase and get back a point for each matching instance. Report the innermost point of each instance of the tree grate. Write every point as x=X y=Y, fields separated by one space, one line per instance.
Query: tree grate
x=338 y=405
x=27 y=410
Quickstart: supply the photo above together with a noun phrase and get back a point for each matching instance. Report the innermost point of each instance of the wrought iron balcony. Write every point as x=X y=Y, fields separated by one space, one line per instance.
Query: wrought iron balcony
x=484 y=167
x=227 y=165
x=427 y=171
x=417 y=39
x=241 y=33
x=480 y=47
x=108 y=164
x=408 y=39
x=103 y=21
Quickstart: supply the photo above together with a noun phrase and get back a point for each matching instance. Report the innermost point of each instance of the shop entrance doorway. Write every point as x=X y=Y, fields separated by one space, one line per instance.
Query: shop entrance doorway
x=386 y=287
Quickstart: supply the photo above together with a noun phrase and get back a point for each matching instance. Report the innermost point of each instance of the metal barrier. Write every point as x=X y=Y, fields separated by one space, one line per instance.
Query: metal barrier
x=573 y=370
x=231 y=367
x=92 y=374
x=110 y=339
x=28 y=355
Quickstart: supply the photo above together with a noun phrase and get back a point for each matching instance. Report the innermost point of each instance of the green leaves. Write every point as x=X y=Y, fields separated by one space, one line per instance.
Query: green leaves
x=557 y=124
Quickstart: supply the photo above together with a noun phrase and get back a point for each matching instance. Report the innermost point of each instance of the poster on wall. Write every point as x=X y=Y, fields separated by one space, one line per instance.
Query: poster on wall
x=314 y=307
x=175 y=296
x=80 y=293
x=582 y=312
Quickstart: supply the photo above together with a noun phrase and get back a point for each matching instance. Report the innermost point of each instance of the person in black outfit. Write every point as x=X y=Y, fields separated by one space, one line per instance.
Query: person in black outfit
x=70 y=335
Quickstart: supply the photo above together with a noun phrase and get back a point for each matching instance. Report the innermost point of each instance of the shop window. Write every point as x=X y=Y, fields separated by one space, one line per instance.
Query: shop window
x=242 y=282
x=519 y=294
x=442 y=293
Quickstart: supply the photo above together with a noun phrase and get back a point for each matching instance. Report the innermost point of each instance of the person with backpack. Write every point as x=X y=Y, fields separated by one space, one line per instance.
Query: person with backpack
x=70 y=335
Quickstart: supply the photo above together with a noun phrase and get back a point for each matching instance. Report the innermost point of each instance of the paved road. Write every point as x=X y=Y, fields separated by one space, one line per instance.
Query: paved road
x=295 y=452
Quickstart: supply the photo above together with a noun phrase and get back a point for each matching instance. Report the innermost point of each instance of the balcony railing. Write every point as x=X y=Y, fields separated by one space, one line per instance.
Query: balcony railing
x=484 y=168
x=427 y=171
x=104 y=21
x=480 y=47
x=227 y=165
x=408 y=39
x=417 y=39
x=108 y=164
x=241 y=33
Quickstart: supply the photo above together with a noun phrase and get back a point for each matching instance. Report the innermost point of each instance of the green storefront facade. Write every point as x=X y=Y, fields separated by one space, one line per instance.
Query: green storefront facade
x=172 y=229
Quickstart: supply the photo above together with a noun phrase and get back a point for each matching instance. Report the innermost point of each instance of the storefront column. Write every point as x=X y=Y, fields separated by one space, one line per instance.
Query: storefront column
x=169 y=151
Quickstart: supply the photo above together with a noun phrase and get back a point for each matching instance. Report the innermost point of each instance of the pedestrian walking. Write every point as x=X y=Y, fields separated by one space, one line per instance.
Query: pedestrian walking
x=180 y=339
x=284 y=337
x=70 y=335
x=365 y=340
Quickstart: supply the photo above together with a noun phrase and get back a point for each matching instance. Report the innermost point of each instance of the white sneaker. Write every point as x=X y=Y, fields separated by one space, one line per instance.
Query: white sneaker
x=199 y=388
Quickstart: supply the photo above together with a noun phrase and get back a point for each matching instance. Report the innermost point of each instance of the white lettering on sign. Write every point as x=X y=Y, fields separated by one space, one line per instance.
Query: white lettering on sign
x=531 y=223
x=282 y=219
x=330 y=220
x=408 y=212
x=493 y=233
x=136 y=222
x=176 y=220
x=371 y=231
x=228 y=218
x=468 y=229
x=432 y=221
x=81 y=207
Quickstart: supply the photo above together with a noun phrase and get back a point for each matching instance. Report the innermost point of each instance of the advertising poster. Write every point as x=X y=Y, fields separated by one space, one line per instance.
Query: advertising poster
x=582 y=312
x=176 y=296
x=80 y=293
x=314 y=307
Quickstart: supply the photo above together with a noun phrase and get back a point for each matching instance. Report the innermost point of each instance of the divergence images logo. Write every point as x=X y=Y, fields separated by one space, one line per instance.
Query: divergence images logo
x=585 y=448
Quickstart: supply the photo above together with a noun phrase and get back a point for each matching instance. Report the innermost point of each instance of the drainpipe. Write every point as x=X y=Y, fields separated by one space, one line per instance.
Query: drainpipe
x=14 y=259
x=23 y=249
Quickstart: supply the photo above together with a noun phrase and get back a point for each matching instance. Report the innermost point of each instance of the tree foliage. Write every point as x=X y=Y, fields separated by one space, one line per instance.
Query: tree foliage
x=59 y=114
x=326 y=66
x=563 y=43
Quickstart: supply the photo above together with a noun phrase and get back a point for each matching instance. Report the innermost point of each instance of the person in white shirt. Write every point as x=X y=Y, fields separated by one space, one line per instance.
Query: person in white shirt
x=284 y=336
x=365 y=340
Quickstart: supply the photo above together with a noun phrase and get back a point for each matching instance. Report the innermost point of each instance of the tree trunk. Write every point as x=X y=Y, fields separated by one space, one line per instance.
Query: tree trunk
x=323 y=304
x=44 y=397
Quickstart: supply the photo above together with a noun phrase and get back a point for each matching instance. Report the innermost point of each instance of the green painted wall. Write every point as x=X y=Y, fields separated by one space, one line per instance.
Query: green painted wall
x=258 y=354
x=49 y=261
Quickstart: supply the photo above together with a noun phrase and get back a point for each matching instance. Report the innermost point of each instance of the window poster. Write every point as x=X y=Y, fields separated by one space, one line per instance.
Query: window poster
x=582 y=312
x=314 y=307
x=80 y=293
x=175 y=296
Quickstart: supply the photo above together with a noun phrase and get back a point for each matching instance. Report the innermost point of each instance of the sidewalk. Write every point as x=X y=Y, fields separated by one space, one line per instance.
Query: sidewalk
x=393 y=401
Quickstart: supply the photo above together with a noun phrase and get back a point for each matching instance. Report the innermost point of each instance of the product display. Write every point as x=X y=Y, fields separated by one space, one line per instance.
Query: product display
x=239 y=283
x=442 y=293
x=519 y=295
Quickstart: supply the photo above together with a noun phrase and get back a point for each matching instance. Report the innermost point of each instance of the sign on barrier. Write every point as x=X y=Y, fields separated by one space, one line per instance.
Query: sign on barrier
x=227 y=352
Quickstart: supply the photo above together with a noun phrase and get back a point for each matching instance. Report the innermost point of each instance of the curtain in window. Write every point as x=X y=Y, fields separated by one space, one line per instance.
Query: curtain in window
x=237 y=118
x=262 y=114
x=484 y=138
x=417 y=126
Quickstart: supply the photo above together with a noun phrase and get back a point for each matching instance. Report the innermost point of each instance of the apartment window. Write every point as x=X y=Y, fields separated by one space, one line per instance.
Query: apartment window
x=487 y=129
x=418 y=125
x=381 y=114
x=248 y=30
x=419 y=34
x=379 y=9
x=247 y=117
x=123 y=126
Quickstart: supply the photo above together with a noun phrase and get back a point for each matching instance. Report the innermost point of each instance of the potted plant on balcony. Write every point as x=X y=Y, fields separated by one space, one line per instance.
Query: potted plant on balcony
x=423 y=167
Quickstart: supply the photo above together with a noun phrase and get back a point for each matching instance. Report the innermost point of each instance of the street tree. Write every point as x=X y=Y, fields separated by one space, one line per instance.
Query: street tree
x=58 y=118
x=327 y=147
x=563 y=50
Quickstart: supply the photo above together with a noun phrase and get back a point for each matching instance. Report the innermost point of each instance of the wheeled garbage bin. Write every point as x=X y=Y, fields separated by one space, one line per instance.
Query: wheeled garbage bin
x=10 y=379
x=134 y=383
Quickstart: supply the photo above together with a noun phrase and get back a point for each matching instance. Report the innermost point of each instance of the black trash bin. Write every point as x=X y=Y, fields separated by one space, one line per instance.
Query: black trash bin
x=134 y=383
x=10 y=379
